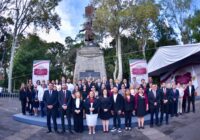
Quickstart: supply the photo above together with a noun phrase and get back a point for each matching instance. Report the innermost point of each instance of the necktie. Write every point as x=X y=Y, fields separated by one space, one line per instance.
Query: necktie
x=50 y=92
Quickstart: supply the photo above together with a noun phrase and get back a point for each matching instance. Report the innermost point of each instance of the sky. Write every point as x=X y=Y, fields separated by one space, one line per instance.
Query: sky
x=71 y=13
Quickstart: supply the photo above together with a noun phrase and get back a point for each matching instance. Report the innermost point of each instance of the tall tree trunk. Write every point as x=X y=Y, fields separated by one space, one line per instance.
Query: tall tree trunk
x=116 y=64
x=14 y=45
x=119 y=54
x=143 y=49
x=115 y=71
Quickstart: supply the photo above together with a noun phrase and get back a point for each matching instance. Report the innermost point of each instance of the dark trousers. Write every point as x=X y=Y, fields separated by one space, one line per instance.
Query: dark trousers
x=30 y=107
x=42 y=112
x=78 y=122
x=164 y=110
x=23 y=104
x=191 y=100
x=116 y=120
x=184 y=105
x=153 y=111
x=174 y=108
x=51 y=113
x=128 y=118
x=68 y=114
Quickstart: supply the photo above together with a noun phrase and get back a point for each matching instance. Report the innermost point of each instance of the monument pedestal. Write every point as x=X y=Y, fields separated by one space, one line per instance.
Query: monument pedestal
x=89 y=63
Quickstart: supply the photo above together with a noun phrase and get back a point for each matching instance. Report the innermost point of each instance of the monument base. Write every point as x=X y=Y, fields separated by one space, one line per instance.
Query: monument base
x=89 y=63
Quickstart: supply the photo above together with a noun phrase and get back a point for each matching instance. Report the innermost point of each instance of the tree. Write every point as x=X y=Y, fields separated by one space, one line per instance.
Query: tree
x=38 y=13
x=112 y=17
x=118 y=17
x=176 y=11
x=165 y=34
x=145 y=14
x=193 y=23
x=32 y=48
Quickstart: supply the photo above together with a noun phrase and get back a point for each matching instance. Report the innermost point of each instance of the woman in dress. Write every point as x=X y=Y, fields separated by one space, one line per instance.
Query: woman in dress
x=105 y=110
x=23 y=98
x=91 y=106
x=77 y=108
x=128 y=109
x=35 y=100
x=141 y=107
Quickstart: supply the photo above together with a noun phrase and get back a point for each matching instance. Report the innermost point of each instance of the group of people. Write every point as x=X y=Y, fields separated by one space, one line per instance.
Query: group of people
x=105 y=99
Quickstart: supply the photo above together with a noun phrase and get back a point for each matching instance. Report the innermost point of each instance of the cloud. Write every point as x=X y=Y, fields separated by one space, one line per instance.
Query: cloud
x=71 y=13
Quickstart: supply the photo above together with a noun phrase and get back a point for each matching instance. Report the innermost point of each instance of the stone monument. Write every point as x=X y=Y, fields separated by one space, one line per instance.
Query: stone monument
x=89 y=59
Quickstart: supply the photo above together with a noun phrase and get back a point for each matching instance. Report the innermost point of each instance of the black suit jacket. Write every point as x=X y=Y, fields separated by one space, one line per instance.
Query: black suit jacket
x=22 y=95
x=117 y=85
x=74 y=106
x=61 y=99
x=192 y=91
x=119 y=104
x=174 y=95
x=50 y=100
x=164 y=96
x=87 y=106
x=129 y=106
x=152 y=99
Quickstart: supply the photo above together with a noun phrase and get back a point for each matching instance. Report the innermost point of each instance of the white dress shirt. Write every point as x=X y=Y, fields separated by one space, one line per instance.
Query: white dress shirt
x=41 y=91
x=115 y=97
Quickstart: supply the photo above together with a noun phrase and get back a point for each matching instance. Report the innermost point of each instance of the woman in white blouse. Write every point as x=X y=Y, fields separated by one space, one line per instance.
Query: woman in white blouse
x=77 y=107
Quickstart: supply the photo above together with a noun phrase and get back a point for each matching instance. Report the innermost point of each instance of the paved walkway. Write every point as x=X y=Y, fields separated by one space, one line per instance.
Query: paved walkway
x=185 y=127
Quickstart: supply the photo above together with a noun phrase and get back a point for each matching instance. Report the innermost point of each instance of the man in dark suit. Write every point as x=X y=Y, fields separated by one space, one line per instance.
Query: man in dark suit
x=191 y=96
x=174 y=99
x=64 y=99
x=89 y=84
x=117 y=109
x=50 y=99
x=117 y=84
x=165 y=99
x=154 y=104
x=98 y=86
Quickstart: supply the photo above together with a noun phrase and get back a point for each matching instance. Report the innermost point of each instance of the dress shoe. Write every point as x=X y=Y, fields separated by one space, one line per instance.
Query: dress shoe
x=57 y=132
x=62 y=132
x=70 y=131
x=49 y=131
x=142 y=127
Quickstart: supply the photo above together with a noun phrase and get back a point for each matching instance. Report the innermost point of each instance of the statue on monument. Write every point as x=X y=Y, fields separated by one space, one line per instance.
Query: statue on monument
x=89 y=34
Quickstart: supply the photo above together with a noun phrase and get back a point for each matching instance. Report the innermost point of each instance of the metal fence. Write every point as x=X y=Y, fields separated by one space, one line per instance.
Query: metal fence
x=4 y=94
